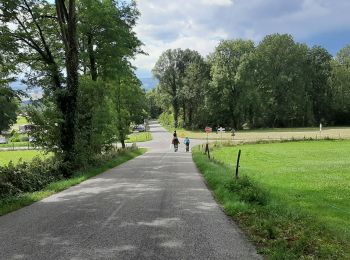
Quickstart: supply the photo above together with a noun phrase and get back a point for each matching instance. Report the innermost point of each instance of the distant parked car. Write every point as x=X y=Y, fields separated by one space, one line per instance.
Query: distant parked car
x=3 y=140
x=139 y=128
x=26 y=128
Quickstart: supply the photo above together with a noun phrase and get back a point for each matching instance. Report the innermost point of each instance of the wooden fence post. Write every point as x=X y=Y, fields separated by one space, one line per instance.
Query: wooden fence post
x=237 y=164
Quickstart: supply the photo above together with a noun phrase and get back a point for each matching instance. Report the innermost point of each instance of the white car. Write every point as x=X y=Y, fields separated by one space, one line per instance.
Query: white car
x=139 y=128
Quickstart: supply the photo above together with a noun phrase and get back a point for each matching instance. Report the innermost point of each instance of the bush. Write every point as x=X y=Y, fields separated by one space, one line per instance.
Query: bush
x=37 y=174
x=28 y=177
x=24 y=139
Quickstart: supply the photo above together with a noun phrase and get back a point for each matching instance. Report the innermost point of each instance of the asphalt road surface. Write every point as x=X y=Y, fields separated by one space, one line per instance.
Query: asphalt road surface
x=156 y=206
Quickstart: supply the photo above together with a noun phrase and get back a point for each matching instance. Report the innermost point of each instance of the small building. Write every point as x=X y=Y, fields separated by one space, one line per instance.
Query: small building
x=3 y=140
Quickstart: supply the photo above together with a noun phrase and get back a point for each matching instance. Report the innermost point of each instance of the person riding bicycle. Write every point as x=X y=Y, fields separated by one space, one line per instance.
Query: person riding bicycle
x=187 y=143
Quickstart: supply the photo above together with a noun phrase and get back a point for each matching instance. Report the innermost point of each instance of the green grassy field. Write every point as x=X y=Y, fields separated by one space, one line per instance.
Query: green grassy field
x=21 y=120
x=15 y=156
x=139 y=137
x=308 y=193
x=313 y=176
x=16 y=144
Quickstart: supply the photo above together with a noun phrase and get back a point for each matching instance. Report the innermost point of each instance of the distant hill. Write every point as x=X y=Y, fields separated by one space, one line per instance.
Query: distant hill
x=36 y=93
x=33 y=93
x=149 y=83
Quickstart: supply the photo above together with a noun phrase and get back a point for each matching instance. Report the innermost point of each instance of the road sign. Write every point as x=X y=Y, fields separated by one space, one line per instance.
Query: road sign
x=221 y=130
x=208 y=129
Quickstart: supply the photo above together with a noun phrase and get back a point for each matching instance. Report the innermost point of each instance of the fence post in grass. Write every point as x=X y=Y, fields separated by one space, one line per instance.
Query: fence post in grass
x=207 y=150
x=237 y=164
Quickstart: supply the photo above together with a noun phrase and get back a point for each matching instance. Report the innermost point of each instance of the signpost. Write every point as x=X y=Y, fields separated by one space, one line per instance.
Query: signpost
x=221 y=130
x=207 y=130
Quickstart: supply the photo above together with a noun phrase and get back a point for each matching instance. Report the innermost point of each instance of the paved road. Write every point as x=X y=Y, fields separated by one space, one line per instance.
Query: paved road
x=153 y=207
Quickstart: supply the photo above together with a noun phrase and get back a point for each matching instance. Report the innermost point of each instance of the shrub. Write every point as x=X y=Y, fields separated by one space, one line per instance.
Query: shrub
x=166 y=119
x=24 y=139
x=37 y=174
x=28 y=177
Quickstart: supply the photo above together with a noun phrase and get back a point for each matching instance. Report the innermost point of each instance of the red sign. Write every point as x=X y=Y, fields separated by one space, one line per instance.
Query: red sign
x=208 y=129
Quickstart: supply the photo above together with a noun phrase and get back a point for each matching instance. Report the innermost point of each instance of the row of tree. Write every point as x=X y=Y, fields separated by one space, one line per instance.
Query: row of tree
x=278 y=83
x=78 y=52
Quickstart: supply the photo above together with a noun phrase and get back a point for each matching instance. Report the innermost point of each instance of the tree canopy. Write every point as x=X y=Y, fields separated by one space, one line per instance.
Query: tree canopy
x=79 y=53
x=276 y=83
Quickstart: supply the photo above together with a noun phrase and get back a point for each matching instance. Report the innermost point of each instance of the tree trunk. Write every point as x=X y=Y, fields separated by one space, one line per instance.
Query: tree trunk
x=68 y=100
x=190 y=114
x=184 y=113
x=93 y=68
x=123 y=143
x=176 y=112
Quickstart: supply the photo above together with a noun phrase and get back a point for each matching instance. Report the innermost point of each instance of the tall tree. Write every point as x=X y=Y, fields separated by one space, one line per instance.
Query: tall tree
x=340 y=87
x=195 y=87
x=130 y=103
x=8 y=97
x=67 y=101
x=30 y=26
x=281 y=76
x=319 y=90
x=8 y=107
x=225 y=90
x=170 y=70
x=154 y=107
x=106 y=36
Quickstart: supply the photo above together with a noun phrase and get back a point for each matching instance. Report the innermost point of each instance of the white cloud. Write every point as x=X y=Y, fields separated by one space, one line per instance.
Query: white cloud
x=217 y=2
x=201 y=24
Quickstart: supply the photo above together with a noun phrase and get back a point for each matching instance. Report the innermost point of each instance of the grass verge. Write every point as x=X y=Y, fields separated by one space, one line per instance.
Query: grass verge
x=279 y=230
x=16 y=202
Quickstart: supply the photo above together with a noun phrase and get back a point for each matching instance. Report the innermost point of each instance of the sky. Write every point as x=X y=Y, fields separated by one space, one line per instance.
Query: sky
x=201 y=24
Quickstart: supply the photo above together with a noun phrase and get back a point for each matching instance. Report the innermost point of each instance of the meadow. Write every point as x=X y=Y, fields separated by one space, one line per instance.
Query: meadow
x=302 y=189
x=139 y=137
x=269 y=134
x=21 y=120
x=15 y=156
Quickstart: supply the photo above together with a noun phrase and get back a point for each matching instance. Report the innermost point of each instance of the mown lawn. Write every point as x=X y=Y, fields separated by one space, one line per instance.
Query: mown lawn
x=307 y=186
x=15 y=156
x=139 y=137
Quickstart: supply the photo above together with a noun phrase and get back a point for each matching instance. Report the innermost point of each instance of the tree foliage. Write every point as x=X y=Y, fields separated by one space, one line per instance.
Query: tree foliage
x=277 y=83
x=170 y=70
x=79 y=53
